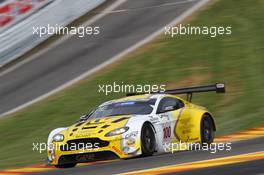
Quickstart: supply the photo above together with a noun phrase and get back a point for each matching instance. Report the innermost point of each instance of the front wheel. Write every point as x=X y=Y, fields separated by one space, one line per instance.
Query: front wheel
x=207 y=130
x=148 y=142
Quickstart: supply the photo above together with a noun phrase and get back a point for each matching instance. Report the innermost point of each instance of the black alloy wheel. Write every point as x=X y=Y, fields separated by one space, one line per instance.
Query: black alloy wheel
x=148 y=142
x=207 y=130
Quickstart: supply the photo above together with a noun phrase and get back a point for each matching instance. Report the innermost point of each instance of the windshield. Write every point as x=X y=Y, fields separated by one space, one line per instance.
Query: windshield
x=140 y=107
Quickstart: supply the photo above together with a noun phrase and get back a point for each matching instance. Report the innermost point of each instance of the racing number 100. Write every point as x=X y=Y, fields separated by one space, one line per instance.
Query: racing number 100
x=166 y=132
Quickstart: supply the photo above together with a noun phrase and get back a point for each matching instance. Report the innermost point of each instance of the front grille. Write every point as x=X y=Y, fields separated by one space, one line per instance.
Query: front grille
x=86 y=143
x=87 y=157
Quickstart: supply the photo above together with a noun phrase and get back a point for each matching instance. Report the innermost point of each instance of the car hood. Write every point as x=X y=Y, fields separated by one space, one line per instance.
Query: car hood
x=96 y=127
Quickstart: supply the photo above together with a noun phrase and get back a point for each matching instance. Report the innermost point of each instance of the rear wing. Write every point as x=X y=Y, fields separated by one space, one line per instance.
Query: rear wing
x=218 y=88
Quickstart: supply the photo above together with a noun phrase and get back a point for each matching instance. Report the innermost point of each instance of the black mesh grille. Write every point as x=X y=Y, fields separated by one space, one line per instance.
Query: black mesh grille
x=87 y=157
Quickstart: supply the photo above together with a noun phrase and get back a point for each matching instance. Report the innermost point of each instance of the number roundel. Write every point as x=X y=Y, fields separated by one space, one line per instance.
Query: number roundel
x=166 y=132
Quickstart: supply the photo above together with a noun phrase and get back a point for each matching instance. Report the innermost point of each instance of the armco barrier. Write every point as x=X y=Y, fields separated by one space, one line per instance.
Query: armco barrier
x=18 y=39
x=14 y=11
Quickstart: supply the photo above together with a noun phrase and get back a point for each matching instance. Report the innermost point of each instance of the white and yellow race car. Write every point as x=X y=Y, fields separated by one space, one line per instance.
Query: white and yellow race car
x=133 y=126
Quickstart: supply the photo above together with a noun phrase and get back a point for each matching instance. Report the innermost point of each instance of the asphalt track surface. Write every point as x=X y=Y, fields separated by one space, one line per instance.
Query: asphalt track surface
x=122 y=28
x=130 y=165
x=246 y=168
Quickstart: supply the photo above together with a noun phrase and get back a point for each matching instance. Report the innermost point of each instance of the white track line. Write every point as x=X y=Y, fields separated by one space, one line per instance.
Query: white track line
x=63 y=38
x=115 y=58
x=171 y=4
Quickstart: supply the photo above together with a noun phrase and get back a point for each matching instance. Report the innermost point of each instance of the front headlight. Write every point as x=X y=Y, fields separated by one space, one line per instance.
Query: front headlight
x=58 y=138
x=117 y=131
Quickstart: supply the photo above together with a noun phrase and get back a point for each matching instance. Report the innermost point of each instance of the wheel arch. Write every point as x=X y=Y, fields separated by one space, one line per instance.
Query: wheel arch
x=148 y=122
x=190 y=123
x=136 y=124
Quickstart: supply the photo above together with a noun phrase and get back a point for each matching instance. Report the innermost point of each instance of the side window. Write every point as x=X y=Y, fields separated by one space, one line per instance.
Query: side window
x=169 y=104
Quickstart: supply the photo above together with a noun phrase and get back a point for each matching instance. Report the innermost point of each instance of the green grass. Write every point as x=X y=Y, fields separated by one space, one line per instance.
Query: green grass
x=236 y=60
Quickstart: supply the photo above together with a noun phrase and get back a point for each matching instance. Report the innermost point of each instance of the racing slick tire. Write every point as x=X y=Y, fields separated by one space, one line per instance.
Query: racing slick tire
x=207 y=130
x=70 y=165
x=148 y=141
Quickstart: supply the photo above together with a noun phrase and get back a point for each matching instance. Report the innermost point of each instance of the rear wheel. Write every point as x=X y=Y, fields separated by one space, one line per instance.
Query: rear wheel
x=70 y=165
x=148 y=141
x=207 y=130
